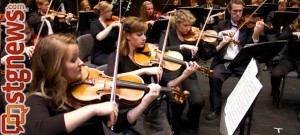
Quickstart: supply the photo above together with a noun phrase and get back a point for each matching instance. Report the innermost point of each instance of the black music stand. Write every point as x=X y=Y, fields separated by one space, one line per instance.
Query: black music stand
x=292 y=9
x=197 y=12
x=261 y=52
x=84 y=22
x=168 y=7
x=284 y=18
x=153 y=34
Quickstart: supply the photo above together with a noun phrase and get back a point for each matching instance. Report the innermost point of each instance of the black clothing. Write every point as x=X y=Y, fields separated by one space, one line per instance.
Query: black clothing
x=272 y=34
x=103 y=48
x=221 y=73
x=196 y=100
x=35 y=20
x=43 y=120
x=290 y=60
x=154 y=120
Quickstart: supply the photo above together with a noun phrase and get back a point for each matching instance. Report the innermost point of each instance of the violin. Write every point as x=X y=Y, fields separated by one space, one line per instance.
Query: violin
x=209 y=36
x=173 y=60
x=157 y=15
x=251 y=21
x=113 y=18
x=95 y=87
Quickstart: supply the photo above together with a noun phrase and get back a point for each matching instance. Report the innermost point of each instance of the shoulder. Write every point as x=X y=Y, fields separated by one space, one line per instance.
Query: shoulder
x=37 y=99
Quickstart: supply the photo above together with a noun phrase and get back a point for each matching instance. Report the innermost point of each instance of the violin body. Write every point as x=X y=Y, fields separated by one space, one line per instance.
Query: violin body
x=173 y=60
x=113 y=18
x=95 y=87
x=209 y=36
x=150 y=56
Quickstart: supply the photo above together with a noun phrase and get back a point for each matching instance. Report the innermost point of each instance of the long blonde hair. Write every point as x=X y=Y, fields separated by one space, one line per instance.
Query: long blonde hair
x=131 y=25
x=47 y=60
x=143 y=14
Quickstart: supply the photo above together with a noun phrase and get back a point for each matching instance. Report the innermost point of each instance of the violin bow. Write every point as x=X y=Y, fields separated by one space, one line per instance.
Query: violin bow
x=162 y=10
x=202 y=31
x=114 y=85
x=42 y=25
x=250 y=16
x=165 y=43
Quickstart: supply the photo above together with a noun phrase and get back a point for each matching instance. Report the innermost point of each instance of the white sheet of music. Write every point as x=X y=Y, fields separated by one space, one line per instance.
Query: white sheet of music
x=241 y=98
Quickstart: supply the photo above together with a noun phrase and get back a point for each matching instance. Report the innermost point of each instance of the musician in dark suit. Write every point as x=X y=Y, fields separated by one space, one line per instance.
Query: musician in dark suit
x=273 y=34
x=210 y=3
x=226 y=52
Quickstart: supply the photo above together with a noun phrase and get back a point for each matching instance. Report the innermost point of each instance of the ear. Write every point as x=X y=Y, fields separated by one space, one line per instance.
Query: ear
x=127 y=36
x=228 y=10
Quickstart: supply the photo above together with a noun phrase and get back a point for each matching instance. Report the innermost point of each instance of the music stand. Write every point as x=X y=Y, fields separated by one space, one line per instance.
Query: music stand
x=261 y=52
x=292 y=9
x=287 y=16
x=153 y=34
x=84 y=21
x=168 y=7
x=197 y=12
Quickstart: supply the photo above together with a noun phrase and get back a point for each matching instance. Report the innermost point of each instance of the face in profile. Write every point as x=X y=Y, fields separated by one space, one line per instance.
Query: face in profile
x=72 y=64
x=137 y=39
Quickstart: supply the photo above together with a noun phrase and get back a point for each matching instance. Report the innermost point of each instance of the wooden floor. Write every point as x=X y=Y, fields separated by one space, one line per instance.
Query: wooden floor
x=266 y=116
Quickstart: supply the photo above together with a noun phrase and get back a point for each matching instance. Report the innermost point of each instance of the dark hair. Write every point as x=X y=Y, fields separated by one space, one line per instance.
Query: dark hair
x=238 y=2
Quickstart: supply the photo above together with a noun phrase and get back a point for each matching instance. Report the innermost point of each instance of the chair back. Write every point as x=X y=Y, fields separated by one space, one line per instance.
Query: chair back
x=85 y=44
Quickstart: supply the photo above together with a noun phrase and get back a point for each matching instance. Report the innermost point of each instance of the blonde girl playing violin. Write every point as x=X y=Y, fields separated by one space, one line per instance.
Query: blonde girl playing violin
x=105 y=36
x=154 y=120
x=55 y=67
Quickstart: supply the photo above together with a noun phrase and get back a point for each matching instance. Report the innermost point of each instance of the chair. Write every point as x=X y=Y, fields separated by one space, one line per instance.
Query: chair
x=292 y=75
x=85 y=44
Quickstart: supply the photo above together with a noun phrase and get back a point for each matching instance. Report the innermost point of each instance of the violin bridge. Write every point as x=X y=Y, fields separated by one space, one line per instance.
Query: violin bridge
x=90 y=81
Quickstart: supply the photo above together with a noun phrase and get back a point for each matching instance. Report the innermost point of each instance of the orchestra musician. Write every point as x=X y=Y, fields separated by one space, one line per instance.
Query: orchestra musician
x=148 y=14
x=226 y=52
x=85 y=5
x=182 y=21
x=55 y=67
x=209 y=4
x=193 y=3
x=274 y=33
x=28 y=52
x=256 y=2
x=154 y=120
x=51 y=23
x=290 y=57
x=105 y=36
x=294 y=3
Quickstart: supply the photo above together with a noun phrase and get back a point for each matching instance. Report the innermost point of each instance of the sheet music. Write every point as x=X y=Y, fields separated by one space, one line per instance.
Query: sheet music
x=241 y=98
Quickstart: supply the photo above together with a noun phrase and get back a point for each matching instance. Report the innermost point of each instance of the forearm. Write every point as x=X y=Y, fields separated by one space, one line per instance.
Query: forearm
x=138 y=72
x=77 y=117
x=220 y=46
x=178 y=80
x=103 y=34
x=255 y=36
x=136 y=112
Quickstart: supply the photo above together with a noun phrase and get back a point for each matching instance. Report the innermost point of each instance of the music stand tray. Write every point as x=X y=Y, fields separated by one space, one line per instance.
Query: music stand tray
x=262 y=52
x=169 y=7
x=153 y=34
x=287 y=16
